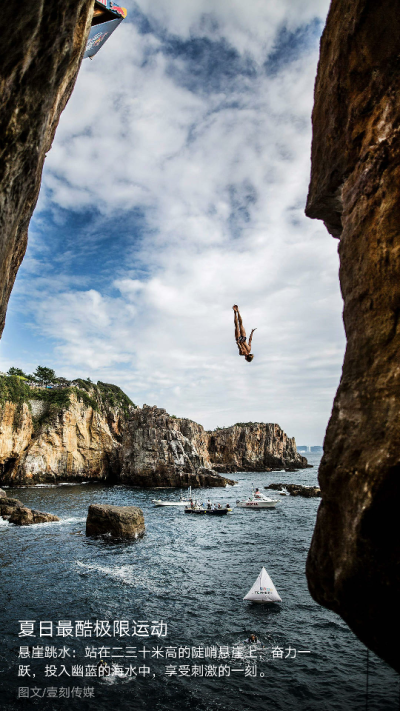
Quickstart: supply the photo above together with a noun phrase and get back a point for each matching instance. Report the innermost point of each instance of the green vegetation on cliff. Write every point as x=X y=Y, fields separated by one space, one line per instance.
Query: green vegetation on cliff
x=114 y=396
x=15 y=389
x=237 y=424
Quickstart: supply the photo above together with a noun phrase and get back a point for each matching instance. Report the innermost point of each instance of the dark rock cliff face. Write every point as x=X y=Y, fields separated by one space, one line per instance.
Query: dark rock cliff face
x=353 y=565
x=254 y=446
x=42 y=44
x=160 y=450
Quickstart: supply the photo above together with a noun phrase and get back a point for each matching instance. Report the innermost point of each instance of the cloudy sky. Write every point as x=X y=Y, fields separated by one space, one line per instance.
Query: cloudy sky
x=175 y=188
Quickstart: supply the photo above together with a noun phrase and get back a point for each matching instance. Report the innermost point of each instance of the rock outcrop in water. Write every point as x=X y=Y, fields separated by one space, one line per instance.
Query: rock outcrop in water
x=94 y=432
x=353 y=564
x=8 y=505
x=16 y=512
x=115 y=521
x=23 y=516
x=42 y=45
x=308 y=492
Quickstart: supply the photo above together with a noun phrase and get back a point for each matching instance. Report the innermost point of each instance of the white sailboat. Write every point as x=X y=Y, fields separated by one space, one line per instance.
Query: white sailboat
x=263 y=590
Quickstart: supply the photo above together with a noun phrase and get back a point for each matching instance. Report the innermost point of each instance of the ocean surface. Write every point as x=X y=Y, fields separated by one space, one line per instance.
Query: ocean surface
x=184 y=580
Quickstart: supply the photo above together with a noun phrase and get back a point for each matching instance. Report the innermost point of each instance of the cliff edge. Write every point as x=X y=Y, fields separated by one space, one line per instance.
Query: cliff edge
x=352 y=566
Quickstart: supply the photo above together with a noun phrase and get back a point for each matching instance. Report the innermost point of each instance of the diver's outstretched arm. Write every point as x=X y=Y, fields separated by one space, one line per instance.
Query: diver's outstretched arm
x=251 y=336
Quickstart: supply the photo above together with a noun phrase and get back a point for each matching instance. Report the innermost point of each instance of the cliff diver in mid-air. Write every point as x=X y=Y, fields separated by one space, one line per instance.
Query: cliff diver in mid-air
x=240 y=335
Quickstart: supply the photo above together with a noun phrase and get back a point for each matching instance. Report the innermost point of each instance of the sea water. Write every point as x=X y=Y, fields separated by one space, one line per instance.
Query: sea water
x=191 y=573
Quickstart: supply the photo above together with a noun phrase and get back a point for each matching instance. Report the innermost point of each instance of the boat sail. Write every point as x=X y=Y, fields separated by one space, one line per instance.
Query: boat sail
x=263 y=590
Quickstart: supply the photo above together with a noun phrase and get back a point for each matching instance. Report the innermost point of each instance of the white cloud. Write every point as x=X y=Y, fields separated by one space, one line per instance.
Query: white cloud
x=222 y=179
x=249 y=26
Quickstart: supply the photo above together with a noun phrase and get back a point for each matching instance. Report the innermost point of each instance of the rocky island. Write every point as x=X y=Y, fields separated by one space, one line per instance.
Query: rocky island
x=79 y=431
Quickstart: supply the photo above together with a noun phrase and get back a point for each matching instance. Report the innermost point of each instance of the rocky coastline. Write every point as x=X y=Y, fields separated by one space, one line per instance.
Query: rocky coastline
x=94 y=432
x=254 y=447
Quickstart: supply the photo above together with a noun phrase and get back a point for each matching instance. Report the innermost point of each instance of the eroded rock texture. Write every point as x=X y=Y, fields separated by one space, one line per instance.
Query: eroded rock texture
x=72 y=443
x=160 y=450
x=353 y=564
x=42 y=44
x=253 y=446
x=23 y=516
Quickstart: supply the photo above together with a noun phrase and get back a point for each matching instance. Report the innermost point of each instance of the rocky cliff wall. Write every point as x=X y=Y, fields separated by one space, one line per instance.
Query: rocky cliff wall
x=95 y=432
x=16 y=430
x=41 y=50
x=65 y=434
x=160 y=450
x=353 y=566
x=254 y=446
x=70 y=444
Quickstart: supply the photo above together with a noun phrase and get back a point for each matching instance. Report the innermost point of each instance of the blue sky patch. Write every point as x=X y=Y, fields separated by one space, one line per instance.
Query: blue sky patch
x=289 y=46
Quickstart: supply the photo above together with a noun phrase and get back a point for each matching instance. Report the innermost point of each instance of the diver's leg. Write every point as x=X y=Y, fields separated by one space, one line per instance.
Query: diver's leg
x=242 y=331
x=237 y=330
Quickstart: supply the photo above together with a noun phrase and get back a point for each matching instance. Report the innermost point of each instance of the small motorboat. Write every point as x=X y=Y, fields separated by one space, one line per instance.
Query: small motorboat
x=257 y=500
x=263 y=590
x=217 y=512
x=195 y=508
x=283 y=492
x=182 y=501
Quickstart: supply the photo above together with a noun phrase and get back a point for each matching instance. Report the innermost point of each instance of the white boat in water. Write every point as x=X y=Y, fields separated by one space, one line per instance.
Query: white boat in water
x=180 y=502
x=257 y=500
x=263 y=590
